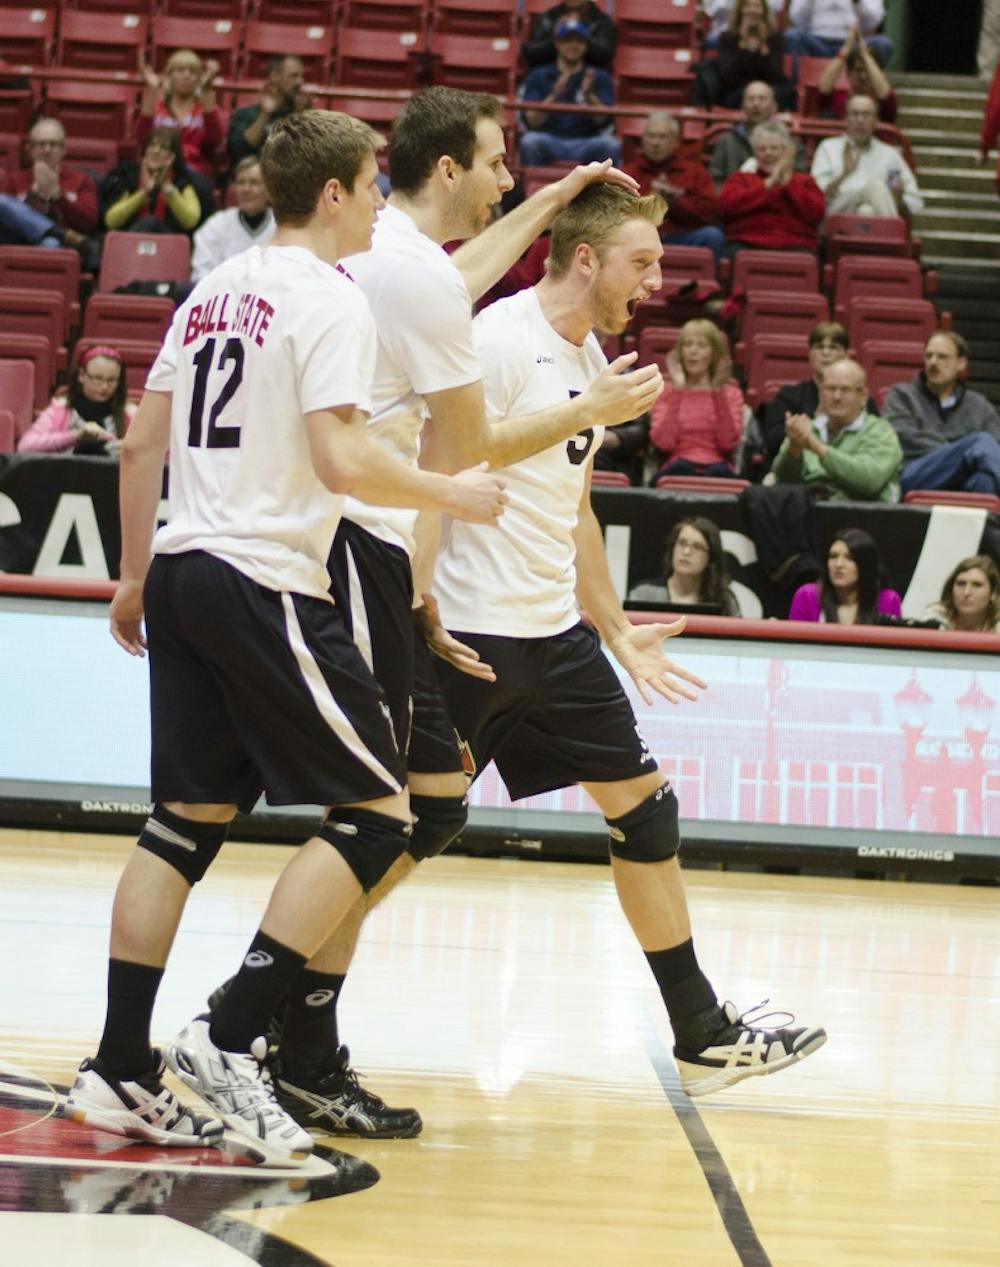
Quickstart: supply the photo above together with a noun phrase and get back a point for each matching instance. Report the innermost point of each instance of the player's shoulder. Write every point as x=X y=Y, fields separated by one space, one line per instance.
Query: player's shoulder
x=513 y=316
x=404 y=261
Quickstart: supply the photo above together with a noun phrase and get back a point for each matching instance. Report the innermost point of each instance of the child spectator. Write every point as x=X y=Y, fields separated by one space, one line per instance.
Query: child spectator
x=92 y=417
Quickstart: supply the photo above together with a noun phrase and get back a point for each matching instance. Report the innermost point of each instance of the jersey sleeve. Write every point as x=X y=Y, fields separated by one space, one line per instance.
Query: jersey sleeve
x=429 y=334
x=334 y=351
x=163 y=374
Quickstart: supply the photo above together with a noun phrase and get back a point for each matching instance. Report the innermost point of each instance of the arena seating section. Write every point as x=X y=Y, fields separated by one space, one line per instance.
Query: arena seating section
x=78 y=60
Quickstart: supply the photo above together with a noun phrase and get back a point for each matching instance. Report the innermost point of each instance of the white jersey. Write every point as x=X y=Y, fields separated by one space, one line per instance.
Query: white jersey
x=224 y=235
x=519 y=579
x=423 y=315
x=269 y=336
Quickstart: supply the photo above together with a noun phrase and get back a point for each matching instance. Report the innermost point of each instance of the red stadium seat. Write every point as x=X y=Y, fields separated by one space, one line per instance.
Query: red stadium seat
x=321 y=12
x=657 y=23
x=475 y=63
x=901 y=321
x=810 y=72
x=688 y=261
x=11 y=145
x=218 y=38
x=535 y=178
x=375 y=111
x=779 y=312
x=93 y=154
x=28 y=267
x=234 y=10
x=946 y=497
x=653 y=76
x=85 y=109
x=17 y=108
x=35 y=311
x=890 y=277
x=378 y=59
x=888 y=362
x=865 y=235
x=8 y=440
x=679 y=299
x=610 y=479
x=385 y=15
x=774 y=361
x=27 y=34
x=101 y=41
x=138 y=257
x=775 y=270
x=109 y=318
x=655 y=342
x=18 y=397
x=37 y=349
x=312 y=44
x=476 y=17
x=701 y=484
x=137 y=356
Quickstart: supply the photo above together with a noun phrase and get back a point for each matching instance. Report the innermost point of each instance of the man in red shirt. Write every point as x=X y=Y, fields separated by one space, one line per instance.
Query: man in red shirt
x=692 y=218
x=47 y=204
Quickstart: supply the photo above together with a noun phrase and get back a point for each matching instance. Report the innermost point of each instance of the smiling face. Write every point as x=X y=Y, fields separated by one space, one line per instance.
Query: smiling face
x=251 y=192
x=841 y=568
x=479 y=188
x=628 y=272
x=970 y=592
x=768 y=149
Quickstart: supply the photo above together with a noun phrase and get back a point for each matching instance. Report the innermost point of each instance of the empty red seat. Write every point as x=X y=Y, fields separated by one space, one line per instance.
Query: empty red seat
x=37 y=311
x=701 y=484
x=658 y=23
x=655 y=342
x=17 y=397
x=610 y=479
x=28 y=267
x=890 y=277
x=779 y=312
x=17 y=106
x=137 y=357
x=888 y=362
x=311 y=43
x=947 y=497
x=218 y=38
x=321 y=11
x=102 y=110
x=26 y=34
x=476 y=17
x=101 y=41
x=653 y=76
x=775 y=270
x=901 y=321
x=94 y=154
x=234 y=10
x=11 y=144
x=112 y=317
x=37 y=349
x=378 y=59
x=688 y=261
x=865 y=235
x=810 y=72
x=535 y=178
x=475 y=63
x=138 y=257
x=773 y=361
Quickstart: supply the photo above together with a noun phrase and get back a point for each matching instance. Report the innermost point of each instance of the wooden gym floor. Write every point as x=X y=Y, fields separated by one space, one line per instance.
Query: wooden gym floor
x=508 y=1001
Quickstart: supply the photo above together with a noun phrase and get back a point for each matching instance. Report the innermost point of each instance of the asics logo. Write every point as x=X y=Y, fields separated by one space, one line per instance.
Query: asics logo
x=319 y=997
x=258 y=959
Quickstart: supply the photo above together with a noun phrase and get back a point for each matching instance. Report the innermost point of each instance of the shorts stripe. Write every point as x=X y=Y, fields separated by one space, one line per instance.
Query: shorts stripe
x=360 y=627
x=330 y=710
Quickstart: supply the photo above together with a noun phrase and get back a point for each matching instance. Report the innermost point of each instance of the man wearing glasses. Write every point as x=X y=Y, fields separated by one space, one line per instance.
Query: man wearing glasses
x=861 y=175
x=47 y=204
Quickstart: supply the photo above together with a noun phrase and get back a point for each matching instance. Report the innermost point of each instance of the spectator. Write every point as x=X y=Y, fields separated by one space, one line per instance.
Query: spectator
x=733 y=148
x=229 y=232
x=991 y=123
x=970 y=597
x=862 y=175
x=845 y=452
x=750 y=51
x=92 y=417
x=850 y=590
x=697 y=423
x=539 y=48
x=692 y=207
x=950 y=435
x=718 y=13
x=155 y=195
x=623 y=448
x=188 y=104
x=828 y=342
x=48 y=204
x=988 y=48
x=865 y=78
x=554 y=135
x=817 y=28
x=767 y=204
x=694 y=569
x=281 y=94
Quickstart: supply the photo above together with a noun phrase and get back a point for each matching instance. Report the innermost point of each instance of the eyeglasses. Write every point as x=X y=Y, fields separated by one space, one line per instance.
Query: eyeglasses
x=48 y=145
x=694 y=547
x=100 y=380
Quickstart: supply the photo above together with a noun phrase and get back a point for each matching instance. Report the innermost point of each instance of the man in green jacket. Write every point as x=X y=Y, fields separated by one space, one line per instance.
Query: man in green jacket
x=281 y=95
x=852 y=454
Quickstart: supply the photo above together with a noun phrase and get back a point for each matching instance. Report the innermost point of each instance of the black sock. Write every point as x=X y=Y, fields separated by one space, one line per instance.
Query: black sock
x=694 y=1011
x=310 y=1024
x=256 y=991
x=125 y=1051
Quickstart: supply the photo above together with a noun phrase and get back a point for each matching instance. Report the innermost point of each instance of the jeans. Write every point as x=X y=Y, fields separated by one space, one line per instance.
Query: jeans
x=540 y=148
x=803 y=44
x=709 y=235
x=21 y=225
x=969 y=465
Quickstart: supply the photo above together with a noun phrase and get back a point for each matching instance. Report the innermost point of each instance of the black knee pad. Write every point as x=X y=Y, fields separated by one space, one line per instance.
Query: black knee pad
x=440 y=820
x=188 y=846
x=368 y=842
x=648 y=833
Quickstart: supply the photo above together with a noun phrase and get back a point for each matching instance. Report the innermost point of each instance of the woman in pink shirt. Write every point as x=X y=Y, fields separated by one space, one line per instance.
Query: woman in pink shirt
x=188 y=104
x=92 y=418
x=697 y=423
x=850 y=591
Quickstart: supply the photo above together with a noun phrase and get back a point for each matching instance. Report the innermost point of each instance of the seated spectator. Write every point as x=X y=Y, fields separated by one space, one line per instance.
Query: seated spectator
x=991 y=124
x=817 y=28
x=751 y=50
x=227 y=233
x=850 y=590
x=828 y=342
x=694 y=569
x=865 y=78
x=733 y=148
x=155 y=195
x=844 y=452
x=602 y=37
x=554 y=135
x=281 y=94
x=692 y=207
x=768 y=204
x=860 y=174
x=92 y=417
x=970 y=597
x=187 y=103
x=718 y=13
x=47 y=204
x=697 y=423
x=950 y=435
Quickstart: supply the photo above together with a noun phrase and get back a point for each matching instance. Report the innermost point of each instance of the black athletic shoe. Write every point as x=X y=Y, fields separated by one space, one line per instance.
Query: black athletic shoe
x=744 y=1049
x=329 y=1099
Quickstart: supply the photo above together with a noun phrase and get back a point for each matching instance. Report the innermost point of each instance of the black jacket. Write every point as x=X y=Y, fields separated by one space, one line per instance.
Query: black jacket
x=602 y=36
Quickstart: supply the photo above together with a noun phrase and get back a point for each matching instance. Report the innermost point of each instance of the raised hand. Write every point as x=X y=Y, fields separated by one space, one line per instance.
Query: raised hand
x=442 y=644
x=639 y=650
x=149 y=76
x=477 y=496
x=209 y=73
x=620 y=394
x=579 y=178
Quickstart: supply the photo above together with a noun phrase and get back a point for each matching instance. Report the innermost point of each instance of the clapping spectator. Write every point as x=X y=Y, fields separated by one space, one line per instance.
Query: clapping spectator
x=187 y=103
x=155 y=195
x=694 y=569
x=229 y=232
x=554 y=135
x=970 y=597
x=861 y=175
x=733 y=148
x=281 y=94
x=92 y=417
x=950 y=435
x=818 y=27
x=850 y=591
x=697 y=423
x=768 y=204
x=752 y=50
x=865 y=78
x=48 y=203
x=601 y=35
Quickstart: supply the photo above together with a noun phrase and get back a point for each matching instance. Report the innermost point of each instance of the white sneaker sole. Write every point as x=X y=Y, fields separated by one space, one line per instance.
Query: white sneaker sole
x=126 y=1124
x=697 y=1083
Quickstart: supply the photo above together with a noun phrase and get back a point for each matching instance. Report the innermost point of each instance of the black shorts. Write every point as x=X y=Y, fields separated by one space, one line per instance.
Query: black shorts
x=434 y=744
x=254 y=690
x=555 y=716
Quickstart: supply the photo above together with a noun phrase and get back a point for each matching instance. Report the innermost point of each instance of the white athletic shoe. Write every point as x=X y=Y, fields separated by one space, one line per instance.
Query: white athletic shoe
x=238 y=1086
x=744 y=1050
x=141 y=1109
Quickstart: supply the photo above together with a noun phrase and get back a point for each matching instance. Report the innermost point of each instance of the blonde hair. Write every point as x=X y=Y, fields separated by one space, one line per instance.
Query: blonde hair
x=176 y=60
x=594 y=216
x=710 y=332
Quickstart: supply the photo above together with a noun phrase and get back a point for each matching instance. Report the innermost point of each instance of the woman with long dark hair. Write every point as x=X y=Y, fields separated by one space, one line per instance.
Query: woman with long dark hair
x=850 y=591
x=694 y=569
x=91 y=417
